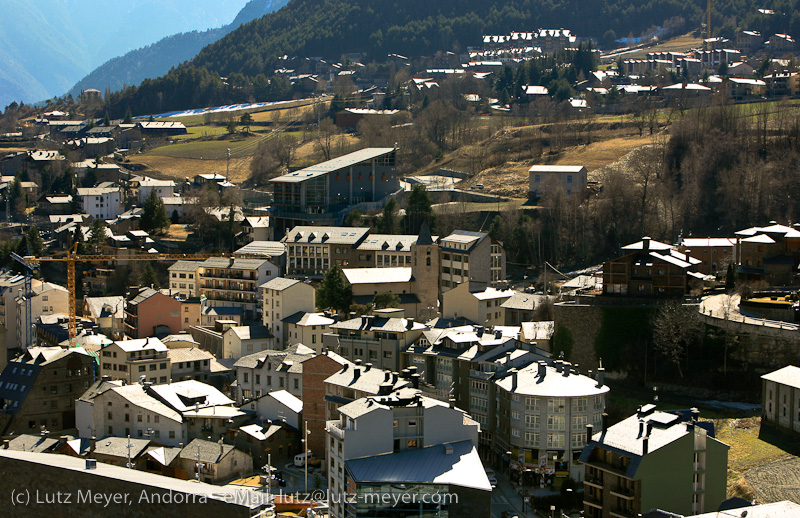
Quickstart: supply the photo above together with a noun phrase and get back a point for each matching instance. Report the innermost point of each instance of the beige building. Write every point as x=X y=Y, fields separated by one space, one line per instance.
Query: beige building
x=266 y=371
x=387 y=250
x=131 y=410
x=183 y=278
x=234 y=282
x=47 y=299
x=238 y=341
x=481 y=307
x=314 y=250
x=132 y=360
x=307 y=329
x=281 y=298
x=546 y=178
x=212 y=462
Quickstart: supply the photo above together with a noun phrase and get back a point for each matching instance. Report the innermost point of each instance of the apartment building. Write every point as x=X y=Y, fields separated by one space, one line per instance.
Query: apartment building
x=151 y=313
x=234 y=282
x=378 y=338
x=184 y=279
x=132 y=360
x=46 y=298
x=542 y=416
x=355 y=380
x=654 y=460
x=311 y=251
x=266 y=371
x=382 y=442
x=282 y=298
x=144 y=185
x=471 y=257
x=101 y=202
x=315 y=371
x=38 y=389
x=386 y=250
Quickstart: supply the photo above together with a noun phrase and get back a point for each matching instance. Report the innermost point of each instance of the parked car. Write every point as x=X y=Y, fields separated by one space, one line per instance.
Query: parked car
x=493 y=482
x=509 y=514
x=477 y=186
x=489 y=472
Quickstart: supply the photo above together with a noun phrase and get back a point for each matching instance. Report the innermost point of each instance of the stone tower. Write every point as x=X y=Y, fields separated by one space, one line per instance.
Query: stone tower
x=425 y=266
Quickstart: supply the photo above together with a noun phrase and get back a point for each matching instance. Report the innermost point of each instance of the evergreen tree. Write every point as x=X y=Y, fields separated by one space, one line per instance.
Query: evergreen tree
x=128 y=116
x=387 y=221
x=353 y=218
x=97 y=236
x=419 y=209
x=386 y=299
x=106 y=119
x=154 y=217
x=334 y=291
x=730 y=278
x=35 y=245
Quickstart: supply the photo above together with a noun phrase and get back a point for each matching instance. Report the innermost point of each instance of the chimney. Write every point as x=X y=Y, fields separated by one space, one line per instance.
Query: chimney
x=410 y=323
x=542 y=369
x=415 y=381
x=498 y=334
x=384 y=389
x=601 y=377
x=364 y=320
x=356 y=373
x=387 y=376
x=480 y=331
x=358 y=361
x=558 y=365
x=5 y=444
x=687 y=255
x=605 y=422
x=649 y=428
x=91 y=464
x=395 y=377
x=180 y=445
x=412 y=370
x=645 y=441
x=645 y=243
x=565 y=369
x=92 y=443
x=368 y=366
x=352 y=315
x=695 y=414
x=589 y=433
x=514 y=379
x=641 y=427
x=405 y=373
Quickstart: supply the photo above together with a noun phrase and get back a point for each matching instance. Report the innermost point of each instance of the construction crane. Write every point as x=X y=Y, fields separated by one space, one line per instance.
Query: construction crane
x=72 y=256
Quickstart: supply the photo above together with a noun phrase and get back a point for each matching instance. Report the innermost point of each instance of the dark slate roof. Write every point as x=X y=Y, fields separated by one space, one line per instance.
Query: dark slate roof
x=424 y=237
x=210 y=452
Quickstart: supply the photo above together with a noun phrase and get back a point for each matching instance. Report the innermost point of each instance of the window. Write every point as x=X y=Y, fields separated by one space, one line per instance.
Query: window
x=579 y=440
x=555 y=405
x=515 y=415
x=531 y=421
x=555 y=422
x=579 y=421
x=246 y=377
x=579 y=404
x=515 y=432
x=531 y=404
x=555 y=440
x=531 y=438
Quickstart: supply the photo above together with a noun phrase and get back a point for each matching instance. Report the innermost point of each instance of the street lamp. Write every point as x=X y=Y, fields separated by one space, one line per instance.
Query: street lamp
x=129 y=464
x=304 y=440
x=509 y=454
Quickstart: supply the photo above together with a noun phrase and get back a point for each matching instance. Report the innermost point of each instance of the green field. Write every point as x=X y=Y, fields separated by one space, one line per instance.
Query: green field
x=209 y=149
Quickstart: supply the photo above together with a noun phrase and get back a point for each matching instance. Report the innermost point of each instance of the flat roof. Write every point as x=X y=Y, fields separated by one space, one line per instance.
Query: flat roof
x=335 y=164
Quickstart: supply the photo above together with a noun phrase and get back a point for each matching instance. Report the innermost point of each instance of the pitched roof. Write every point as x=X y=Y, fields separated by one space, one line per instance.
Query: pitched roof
x=266 y=248
x=183 y=395
x=368 y=380
x=32 y=443
x=552 y=384
x=301 y=318
x=574 y=169
x=256 y=332
x=288 y=360
x=137 y=396
x=184 y=266
x=789 y=375
x=233 y=262
x=206 y=451
x=141 y=344
x=102 y=307
x=188 y=354
x=279 y=283
x=118 y=446
x=377 y=275
x=325 y=235
x=335 y=164
x=456 y=464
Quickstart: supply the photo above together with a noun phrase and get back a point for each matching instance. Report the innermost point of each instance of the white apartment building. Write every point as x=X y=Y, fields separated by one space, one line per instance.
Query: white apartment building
x=132 y=360
x=266 y=371
x=307 y=329
x=101 y=202
x=483 y=307
x=145 y=185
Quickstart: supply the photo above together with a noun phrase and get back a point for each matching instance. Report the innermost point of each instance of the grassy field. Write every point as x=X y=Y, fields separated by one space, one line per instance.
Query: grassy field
x=204 y=130
x=748 y=451
x=188 y=167
x=678 y=44
x=210 y=149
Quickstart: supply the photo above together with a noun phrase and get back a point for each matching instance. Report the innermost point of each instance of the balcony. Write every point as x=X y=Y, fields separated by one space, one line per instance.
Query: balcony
x=624 y=493
x=484 y=375
x=208 y=274
x=334 y=429
x=622 y=513
x=594 y=482
x=593 y=501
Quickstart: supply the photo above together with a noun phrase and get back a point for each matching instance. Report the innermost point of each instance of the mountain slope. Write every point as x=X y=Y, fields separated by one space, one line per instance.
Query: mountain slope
x=157 y=59
x=47 y=45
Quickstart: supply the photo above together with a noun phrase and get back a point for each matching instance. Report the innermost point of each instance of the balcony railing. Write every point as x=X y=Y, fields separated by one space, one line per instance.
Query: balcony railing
x=335 y=430
x=623 y=492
